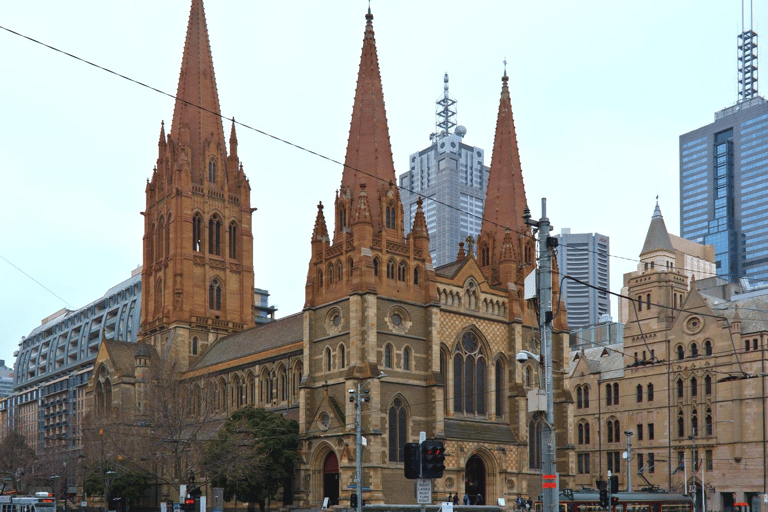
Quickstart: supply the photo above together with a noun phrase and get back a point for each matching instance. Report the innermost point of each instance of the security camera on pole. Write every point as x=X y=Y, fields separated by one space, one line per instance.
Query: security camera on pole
x=551 y=498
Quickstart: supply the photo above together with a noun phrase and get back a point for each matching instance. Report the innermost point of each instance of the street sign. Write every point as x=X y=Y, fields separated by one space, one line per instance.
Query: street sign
x=424 y=491
x=550 y=481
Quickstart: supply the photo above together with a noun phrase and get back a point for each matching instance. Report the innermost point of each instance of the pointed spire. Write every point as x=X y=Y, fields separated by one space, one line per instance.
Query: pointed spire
x=363 y=212
x=320 y=233
x=161 y=142
x=369 y=152
x=505 y=200
x=419 y=222
x=461 y=254
x=197 y=104
x=233 y=140
x=657 y=238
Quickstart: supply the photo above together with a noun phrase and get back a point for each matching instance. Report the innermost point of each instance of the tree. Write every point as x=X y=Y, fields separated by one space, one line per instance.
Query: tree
x=17 y=460
x=253 y=455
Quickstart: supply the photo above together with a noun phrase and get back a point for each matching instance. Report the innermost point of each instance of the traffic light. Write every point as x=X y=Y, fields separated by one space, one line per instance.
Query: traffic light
x=614 y=484
x=432 y=459
x=614 y=501
x=188 y=505
x=604 y=498
x=412 y=464
x=353 y=500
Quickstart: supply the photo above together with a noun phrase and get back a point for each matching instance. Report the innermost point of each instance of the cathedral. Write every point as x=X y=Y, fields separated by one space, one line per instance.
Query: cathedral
x=433 y=348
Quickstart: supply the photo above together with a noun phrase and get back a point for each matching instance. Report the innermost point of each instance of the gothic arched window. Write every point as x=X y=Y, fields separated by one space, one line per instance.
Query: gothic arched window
x=694 y=350
x=214 y=295
x=398 y=430
x=401 y=271
x=579 y=398
x=233 y=240
x=406 y=359
x=679 y=388
x=485 y=255
x=388 y=356
x=650 y=392
x=694 y=387
x=534 y=443
x=328 y=359
x=707 y=385
x=708 y=347
x=416 y=275
x=680 y=352
x=376 y=266
x=499 y=388
x=214 y=235
x=160 y=238
x=680 y=424
x=586 y=397
x=469 y=375
x=212 y=170
x=342 y=356
x=194 y=346
x=391 y=269
x=197 y=232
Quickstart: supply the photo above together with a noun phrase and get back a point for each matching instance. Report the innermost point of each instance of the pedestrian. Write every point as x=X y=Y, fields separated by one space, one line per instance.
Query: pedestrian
x=466 y=499
x=479 y=499
x=529 y=504
x=456 y=499
x=450 y=497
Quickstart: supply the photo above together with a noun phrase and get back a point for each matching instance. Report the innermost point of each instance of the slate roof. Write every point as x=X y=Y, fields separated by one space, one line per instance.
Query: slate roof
x=280 y=333
x=657 y=238
x=610 y=366
x=450 y=270
x=752 y=311
x=123 y=353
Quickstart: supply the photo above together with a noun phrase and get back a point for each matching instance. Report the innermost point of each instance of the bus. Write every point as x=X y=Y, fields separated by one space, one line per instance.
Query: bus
x=40 y=502
x=588 y=500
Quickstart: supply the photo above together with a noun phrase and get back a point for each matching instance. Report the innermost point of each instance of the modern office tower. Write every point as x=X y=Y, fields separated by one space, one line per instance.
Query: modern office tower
x=724 y=178
x=452 y=179
x=585 y=257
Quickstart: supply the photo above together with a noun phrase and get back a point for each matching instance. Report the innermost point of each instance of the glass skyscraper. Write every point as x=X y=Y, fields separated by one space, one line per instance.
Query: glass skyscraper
x=452 y=178
x=724 y=189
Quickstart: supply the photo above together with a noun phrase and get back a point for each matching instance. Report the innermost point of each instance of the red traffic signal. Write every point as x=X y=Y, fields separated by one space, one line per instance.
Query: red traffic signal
x=432 y=459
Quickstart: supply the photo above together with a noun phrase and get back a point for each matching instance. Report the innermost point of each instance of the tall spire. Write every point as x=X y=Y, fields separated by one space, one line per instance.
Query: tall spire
x=747 y=51
x=505 y=199
x=197 y=112
x=369 y=152
x=445 y=111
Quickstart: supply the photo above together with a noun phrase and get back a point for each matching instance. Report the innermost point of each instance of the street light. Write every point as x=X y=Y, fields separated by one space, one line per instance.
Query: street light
x=629 y=435
x=358 y=398
x=54 y=479
x=110 y=479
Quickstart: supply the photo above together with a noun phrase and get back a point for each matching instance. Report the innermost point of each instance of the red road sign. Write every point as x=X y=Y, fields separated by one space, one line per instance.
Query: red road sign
x=549 y=477
x=549 y=485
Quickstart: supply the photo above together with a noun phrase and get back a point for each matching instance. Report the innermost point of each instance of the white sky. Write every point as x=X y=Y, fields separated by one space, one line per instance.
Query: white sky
x=601 y=91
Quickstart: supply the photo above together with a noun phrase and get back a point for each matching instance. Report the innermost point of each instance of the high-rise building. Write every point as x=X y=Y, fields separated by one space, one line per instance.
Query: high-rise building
x=585 y=257
x=724 y=178
x=452 y=177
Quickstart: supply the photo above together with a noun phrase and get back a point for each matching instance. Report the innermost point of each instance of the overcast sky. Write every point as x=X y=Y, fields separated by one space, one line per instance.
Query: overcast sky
x=601 y=91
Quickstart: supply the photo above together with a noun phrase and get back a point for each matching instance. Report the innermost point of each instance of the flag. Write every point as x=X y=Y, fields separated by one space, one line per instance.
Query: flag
x=679 y=467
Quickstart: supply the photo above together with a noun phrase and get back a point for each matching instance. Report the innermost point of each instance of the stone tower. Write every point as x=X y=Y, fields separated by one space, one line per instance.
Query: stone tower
x=197 y=276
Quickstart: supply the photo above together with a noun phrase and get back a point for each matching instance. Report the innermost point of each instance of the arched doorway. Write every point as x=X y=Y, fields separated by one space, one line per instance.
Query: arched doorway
x=331 y=479
x=474 y=479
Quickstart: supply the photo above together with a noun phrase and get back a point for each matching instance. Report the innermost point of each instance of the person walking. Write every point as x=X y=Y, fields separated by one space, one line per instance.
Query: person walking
x=456 y=499
x=479 y=499
x=466 y=499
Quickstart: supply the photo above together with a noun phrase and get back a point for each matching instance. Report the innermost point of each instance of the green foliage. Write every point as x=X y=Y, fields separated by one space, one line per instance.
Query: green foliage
x=125 y=484
x=253 y=455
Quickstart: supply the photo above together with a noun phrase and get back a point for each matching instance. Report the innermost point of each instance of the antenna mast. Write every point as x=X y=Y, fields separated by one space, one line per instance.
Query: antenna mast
x=747 y=58
x=445 y=111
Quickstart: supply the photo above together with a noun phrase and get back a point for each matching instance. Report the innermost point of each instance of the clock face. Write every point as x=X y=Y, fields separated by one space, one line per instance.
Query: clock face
x=469 y=342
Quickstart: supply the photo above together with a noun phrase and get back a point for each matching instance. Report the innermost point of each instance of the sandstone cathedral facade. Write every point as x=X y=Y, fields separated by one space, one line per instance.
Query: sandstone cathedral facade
x=446 y=337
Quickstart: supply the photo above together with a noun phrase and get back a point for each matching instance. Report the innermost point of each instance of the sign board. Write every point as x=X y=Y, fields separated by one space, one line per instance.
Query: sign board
x=529 y=285
x=446 y=506
x=182 y=492
x=423 y=491
x=177 y=507
x=203 y=504
x=549 y=481
x=325 y=502
x=502 y=502
x=84 y=504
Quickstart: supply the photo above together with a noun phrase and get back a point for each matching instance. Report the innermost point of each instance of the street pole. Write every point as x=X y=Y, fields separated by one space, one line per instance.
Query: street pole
x=551 y=501
x=629 y=434
x=359 y=399
x=359 y=448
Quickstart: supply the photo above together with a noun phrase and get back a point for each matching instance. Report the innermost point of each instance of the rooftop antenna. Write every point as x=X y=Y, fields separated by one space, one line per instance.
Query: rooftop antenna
x=747 y=58
x=445 y=111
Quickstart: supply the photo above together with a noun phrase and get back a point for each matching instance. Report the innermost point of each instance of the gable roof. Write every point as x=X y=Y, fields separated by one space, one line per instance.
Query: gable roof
x=273 y=335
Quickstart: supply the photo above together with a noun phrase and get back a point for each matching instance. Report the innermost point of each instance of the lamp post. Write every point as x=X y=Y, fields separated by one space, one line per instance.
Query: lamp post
x=54 y=481
x=358 y=397
x=110 y=478
x=629 y=435
x=551 y=498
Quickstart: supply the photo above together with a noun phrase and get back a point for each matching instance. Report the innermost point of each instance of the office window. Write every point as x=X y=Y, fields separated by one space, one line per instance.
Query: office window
x=640 y=432
x=650 y=431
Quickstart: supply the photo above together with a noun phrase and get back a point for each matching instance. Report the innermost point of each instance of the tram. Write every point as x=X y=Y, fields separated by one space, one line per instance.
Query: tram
x=40 y=502
x=588 y=500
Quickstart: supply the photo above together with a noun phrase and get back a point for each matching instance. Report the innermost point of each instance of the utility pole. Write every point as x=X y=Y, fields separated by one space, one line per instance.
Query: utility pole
x=359 y=396
x=629 y=434
x=551 y=498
